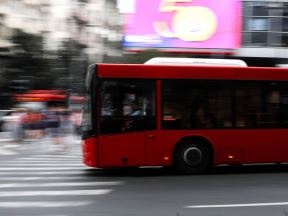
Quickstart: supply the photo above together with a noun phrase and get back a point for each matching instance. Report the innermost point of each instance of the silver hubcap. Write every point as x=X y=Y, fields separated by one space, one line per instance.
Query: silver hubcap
x=192 y=156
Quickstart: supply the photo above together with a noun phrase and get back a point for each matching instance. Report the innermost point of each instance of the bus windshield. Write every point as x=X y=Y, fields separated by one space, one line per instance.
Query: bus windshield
x=127 y=105
x=88 y=125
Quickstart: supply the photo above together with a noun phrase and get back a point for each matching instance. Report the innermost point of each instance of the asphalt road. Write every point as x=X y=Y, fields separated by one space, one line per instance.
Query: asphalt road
x=57 y=184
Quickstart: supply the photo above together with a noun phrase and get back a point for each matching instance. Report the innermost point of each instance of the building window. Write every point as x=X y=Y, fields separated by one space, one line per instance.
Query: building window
x=265 y=24
x=285 y=24
x=258 y=24
x=259 y=38
x=285 y=40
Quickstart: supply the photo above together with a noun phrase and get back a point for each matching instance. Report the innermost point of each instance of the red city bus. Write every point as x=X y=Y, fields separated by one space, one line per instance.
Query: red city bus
x=187 y=116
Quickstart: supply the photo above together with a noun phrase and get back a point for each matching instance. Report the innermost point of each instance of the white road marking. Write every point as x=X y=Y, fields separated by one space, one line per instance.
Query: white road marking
x=42 y=173
x=43 y=204
x=40 y=168
x=239 y=205
x=55 y=193
x=43 y=165
x=48 y=159
x=4 y=151
x=59 y=184
x=10 y=145
x=56 y=156
x=42 y=162
x=34 y=178
x=5 y=140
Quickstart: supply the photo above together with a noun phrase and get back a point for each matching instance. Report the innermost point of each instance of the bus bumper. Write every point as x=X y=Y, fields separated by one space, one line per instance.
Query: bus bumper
x=89 y=150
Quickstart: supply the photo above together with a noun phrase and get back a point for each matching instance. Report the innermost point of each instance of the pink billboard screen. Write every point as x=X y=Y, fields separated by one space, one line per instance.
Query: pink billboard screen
x=196 y=24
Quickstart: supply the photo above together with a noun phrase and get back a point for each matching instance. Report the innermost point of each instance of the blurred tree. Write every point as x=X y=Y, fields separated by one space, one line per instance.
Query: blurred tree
x=141 y=57
x=72 y=63
x=30 y=66
x=145 y=55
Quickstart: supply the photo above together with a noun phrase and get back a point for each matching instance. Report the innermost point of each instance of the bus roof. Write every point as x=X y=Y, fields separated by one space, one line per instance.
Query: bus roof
x=196 y=61
x=190 y=72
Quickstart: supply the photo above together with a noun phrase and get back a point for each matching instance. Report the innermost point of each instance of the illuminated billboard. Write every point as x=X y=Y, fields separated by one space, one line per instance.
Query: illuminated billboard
x=182 y=24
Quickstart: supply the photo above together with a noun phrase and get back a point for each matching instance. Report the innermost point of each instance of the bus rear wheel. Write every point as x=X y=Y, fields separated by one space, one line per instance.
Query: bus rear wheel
x=193 y=158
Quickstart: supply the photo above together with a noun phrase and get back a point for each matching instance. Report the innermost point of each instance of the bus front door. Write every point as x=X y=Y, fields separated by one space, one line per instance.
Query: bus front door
x=122 y=150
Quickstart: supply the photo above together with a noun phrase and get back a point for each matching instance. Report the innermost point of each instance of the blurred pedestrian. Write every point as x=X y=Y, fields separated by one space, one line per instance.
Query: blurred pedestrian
x=76 y=118
x=52 y=123
x=66 y=128
x=19 y=115
x=33 y=121
x=8 y=125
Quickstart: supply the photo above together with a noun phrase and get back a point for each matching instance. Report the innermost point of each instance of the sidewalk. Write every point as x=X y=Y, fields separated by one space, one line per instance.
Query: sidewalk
x=70 y=145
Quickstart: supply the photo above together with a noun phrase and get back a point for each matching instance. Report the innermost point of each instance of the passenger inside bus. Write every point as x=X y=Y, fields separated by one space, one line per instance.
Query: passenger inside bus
x=135 y=109
x=199 y=117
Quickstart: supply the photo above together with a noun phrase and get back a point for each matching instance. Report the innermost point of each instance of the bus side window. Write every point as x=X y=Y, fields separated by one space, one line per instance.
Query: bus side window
x=196 y=104
x=261 y=104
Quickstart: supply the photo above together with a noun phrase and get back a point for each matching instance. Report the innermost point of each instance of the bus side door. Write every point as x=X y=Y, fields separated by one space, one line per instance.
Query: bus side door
x=127 y=113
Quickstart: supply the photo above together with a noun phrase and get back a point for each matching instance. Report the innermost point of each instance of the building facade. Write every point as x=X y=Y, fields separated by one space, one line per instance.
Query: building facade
x=73 y=34
x=88 y=22
x=253 y=30
x=265 y=31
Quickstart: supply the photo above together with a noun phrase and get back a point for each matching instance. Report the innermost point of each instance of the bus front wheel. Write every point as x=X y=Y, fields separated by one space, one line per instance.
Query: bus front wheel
x=193 y=158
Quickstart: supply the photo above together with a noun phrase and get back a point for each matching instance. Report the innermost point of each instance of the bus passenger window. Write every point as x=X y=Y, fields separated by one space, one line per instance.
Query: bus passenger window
x=199 y=117
x=196 y=104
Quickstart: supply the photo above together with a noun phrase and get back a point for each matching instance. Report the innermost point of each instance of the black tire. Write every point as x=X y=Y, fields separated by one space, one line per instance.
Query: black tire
x=193 y=157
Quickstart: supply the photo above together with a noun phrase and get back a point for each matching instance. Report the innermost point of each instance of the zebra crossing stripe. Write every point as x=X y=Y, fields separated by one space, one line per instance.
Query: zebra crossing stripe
x=39 y=168
x=42 y=161
x=55 y=193
x=43 y=204
x=238 y=205
x=38 y=178
x=43 y=165
x=5 y=173
x=4 y=151
x=48 y=159
x=59 y=184
x=56 y=156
